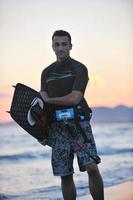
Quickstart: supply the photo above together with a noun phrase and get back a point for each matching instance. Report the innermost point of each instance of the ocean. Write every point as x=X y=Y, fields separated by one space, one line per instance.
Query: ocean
x=25 y=165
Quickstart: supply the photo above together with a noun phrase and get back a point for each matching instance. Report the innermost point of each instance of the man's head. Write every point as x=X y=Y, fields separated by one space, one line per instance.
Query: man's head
x=61 y=43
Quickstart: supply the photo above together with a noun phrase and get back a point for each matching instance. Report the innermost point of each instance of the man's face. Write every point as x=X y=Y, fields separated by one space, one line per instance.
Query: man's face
x=61 y=46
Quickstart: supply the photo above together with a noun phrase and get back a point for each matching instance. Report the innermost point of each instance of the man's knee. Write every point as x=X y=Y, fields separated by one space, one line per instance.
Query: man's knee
x=92 y=169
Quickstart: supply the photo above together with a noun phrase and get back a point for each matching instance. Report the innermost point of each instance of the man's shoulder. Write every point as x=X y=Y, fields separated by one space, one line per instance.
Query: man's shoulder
x=78 y=65
x=49 y=68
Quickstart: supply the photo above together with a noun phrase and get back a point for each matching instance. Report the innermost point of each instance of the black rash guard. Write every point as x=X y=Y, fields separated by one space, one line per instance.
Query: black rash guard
x=60 y=78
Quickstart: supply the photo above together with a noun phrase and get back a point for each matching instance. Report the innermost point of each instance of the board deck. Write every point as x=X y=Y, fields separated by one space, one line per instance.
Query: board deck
x=21 y=103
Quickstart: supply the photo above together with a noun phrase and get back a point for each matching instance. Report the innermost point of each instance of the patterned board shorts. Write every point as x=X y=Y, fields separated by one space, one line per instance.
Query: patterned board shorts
x=65 y=144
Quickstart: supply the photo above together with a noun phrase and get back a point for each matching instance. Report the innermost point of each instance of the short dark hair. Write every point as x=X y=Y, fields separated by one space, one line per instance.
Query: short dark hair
x=61 y=33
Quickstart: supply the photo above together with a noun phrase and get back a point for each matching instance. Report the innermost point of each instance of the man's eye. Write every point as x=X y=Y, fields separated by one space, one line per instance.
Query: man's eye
x=64 y=44
x=56 y=44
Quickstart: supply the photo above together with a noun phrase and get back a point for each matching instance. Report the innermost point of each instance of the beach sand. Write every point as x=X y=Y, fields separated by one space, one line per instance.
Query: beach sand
x=122 y=191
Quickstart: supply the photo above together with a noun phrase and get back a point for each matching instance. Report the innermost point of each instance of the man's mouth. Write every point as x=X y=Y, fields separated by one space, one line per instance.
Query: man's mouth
x=61 y=53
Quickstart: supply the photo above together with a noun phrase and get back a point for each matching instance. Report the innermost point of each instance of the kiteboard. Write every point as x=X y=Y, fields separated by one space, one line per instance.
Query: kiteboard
x=24 y=98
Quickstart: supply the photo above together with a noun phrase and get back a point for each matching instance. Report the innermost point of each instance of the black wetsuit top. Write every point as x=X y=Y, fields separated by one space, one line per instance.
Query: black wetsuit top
x=60 y=78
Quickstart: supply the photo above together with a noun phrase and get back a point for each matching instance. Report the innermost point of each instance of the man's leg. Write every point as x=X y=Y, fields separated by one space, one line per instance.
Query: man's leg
x=95 y=182
x=68 y=187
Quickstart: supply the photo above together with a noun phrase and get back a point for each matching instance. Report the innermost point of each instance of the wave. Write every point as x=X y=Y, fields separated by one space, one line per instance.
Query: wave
x=111 y=151
x=40 y=193
x=46 y=155
x=24 y=156
x=6 y=196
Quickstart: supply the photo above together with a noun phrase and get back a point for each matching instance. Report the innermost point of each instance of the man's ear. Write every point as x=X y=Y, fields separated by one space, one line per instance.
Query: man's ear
x=71 y=46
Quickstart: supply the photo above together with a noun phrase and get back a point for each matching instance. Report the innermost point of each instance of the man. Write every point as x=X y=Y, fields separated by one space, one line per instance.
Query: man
x=63 y=85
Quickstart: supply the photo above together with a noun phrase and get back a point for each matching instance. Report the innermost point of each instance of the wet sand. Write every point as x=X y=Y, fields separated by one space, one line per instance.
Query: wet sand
x=122 y=191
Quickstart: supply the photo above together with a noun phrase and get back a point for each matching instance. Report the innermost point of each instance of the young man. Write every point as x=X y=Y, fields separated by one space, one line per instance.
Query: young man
x=63 y=84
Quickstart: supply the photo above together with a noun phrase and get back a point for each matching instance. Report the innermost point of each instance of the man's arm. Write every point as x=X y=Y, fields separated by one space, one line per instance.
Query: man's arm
x=70 y=99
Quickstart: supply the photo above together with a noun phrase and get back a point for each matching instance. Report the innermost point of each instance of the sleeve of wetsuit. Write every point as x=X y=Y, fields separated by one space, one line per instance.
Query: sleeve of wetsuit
x=43 y=81
x=81 y=80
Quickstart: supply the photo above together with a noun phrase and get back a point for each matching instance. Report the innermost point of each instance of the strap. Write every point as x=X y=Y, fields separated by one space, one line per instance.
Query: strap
x=86 y=140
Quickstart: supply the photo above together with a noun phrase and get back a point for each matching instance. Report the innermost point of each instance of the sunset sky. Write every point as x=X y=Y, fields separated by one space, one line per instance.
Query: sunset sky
x=102 y=38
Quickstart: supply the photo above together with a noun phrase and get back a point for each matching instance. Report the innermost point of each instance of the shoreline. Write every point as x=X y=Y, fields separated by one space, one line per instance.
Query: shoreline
x=123 y=191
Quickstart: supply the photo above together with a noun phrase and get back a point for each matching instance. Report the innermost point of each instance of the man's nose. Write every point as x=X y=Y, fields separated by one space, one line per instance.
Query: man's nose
x=60 y=47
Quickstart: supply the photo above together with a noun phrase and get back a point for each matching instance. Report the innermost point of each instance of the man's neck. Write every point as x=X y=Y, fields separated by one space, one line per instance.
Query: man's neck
x=63 y=59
